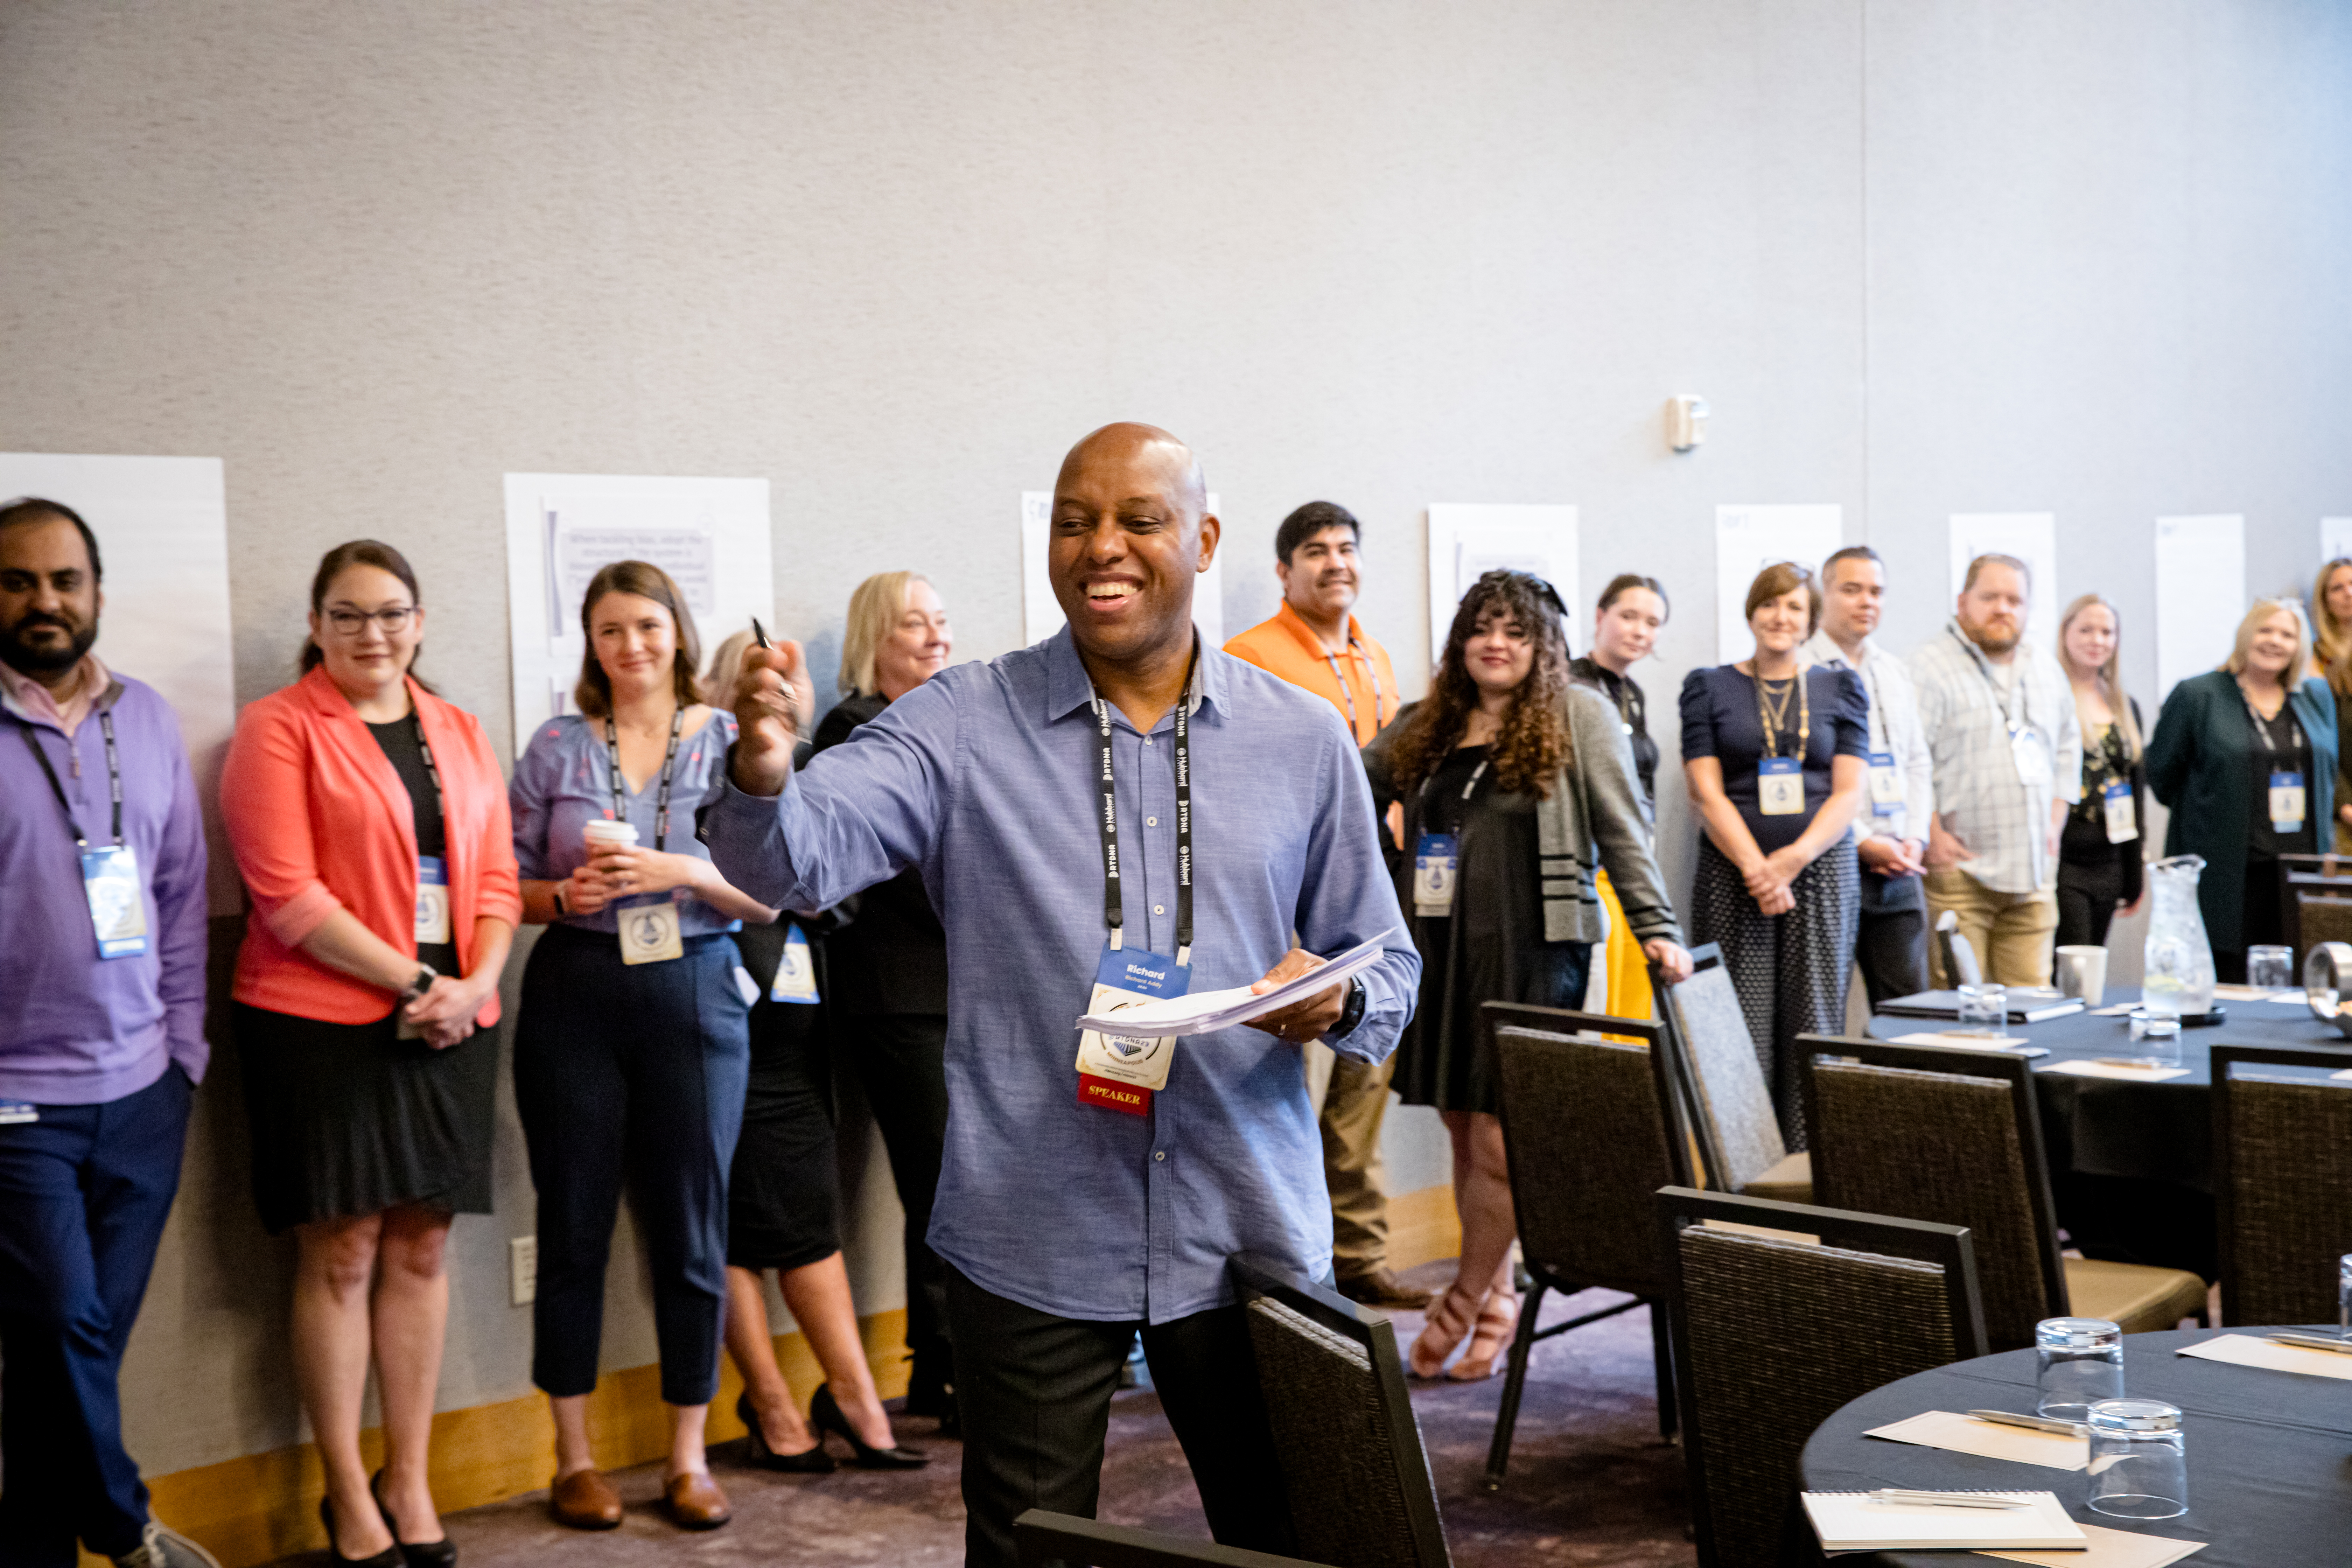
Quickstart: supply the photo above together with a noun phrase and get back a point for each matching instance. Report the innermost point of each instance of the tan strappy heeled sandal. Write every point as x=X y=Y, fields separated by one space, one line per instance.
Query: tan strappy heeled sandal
x=1498 y=1317
x=1449 y=1321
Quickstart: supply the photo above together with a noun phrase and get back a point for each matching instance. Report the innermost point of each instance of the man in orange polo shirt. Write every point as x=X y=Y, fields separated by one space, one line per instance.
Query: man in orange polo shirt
x=1314 y=643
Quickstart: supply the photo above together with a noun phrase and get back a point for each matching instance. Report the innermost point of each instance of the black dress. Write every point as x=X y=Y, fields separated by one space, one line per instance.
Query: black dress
x=1491 y=948
x=2280 y=745
x=349 y=1118
x=2094 y=875
x=783 y=1192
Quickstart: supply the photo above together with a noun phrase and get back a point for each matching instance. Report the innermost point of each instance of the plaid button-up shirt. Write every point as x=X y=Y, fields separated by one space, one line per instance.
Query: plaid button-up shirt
x=1981 y=794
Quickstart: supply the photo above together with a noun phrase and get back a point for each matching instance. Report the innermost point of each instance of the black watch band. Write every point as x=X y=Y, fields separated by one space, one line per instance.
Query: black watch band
x=1351 y=1012
x=425 y=975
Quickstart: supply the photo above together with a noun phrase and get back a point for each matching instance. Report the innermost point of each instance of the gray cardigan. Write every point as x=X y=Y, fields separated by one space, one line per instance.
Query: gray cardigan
x=1593 y=818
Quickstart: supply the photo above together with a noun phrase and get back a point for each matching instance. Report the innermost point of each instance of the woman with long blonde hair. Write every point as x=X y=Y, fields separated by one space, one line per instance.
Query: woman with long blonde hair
x=2100 y=855
x=2331 y=660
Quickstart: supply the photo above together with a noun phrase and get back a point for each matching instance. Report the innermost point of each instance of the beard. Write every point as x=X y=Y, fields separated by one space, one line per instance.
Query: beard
x=1994 y=637
x=27 y=658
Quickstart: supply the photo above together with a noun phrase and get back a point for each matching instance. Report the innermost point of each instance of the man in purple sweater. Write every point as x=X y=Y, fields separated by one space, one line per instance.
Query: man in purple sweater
x=101 y=1044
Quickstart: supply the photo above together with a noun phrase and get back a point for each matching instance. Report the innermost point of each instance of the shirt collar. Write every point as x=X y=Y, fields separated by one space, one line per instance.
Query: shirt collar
x=1295 y=625
x=1068 y=688
x=1824 y=649
x=31 y=699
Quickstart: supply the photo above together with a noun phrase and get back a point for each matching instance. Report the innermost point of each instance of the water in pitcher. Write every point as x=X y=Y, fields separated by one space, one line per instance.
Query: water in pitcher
x=2177 y=980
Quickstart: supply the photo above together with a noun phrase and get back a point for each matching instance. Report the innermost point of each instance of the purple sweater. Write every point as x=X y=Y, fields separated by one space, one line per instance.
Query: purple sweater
x=77 y=1029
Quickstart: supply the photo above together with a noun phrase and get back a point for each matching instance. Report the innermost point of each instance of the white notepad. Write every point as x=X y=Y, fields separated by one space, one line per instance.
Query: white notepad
x=1851 y=1521
x=1958 y=1041
x=2122 y=1074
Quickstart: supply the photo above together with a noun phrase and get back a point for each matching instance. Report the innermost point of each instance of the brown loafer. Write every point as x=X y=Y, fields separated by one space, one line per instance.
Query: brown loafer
x=1381 y=1288
x=696 y=1502
x=584 y=1499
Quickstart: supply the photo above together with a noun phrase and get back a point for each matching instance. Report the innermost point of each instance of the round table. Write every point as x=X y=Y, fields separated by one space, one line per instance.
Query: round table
x=2131 y=1164
x=2270 y=1453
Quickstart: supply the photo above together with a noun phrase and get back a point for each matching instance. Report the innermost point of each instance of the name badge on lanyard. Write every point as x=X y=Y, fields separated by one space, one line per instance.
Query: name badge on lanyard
x=1779 y=787
x=1885 y=785
x=2287 y=800
x=795 y=971
x=1436 y=863
x=109 y=874
x=649 y=928
x=2032 y=756
x=2122 y=812
x=1120 y=1072
x=432 y=901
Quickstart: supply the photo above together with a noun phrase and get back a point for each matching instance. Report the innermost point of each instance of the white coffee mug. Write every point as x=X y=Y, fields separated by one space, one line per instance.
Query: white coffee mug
x=2082 y=971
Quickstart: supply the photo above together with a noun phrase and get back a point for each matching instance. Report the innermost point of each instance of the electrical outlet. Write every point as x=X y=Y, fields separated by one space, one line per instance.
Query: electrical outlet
x=522 y=1266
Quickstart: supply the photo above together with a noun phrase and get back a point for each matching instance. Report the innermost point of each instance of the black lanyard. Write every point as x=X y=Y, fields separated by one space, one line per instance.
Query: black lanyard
x=2263 y=726
x=440 y=804
x=1355 y=650
x=661 y=800
x=113 y=777
x=1804 y=715
x=1114 y=910
x=2014 y=698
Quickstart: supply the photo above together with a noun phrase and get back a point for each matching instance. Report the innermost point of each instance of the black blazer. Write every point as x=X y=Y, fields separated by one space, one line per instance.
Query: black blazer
x=888 y=952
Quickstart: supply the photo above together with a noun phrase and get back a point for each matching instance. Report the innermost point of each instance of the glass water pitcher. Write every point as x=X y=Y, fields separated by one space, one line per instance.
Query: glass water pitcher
x=2178 y=977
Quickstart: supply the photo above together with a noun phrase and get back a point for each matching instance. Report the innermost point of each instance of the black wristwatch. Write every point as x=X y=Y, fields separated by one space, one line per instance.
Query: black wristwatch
x=1351 y=1013
x=425 y=975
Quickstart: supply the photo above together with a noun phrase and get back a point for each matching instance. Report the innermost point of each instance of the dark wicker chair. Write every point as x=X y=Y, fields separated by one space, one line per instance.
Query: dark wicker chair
x=2281 y=1173
x=1939 y=1133
x=1719 y=1070
x=2315 y=901
x=1360 y=1496
x=1064 y=1540
x=1772 y=1335
x=1590 y=1123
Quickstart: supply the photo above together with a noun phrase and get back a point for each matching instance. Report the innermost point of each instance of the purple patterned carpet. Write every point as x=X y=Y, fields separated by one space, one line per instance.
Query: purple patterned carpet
x=1589 y=1482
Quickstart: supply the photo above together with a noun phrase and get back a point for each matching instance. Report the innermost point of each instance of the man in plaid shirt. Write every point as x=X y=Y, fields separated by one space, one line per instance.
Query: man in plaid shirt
x=2007 y=754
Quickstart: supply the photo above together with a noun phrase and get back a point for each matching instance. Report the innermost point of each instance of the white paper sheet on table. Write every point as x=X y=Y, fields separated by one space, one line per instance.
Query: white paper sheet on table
x=2121 y=1074
x=1987 y=1439
x=2109 y=1548
x=1204 y=1011
x=1961 y=1042
x=2253 y=994
x=2245 y=1350
x=2117 y=1011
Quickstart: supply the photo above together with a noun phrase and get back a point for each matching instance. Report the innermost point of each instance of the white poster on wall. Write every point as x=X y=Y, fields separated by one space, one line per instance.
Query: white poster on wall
x=2032 y=537
x=711 y=535
x=1468 y=539
x=1041 y=613
x=1749 y=538
x=2334 y=538
x=163 y=542
x=2201 y=594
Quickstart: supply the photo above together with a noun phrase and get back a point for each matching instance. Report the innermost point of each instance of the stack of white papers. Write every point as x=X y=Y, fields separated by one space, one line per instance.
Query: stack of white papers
x=2119 y=1070
x=1854 y=1521
x=1992 y=1440
x=1205 y=1012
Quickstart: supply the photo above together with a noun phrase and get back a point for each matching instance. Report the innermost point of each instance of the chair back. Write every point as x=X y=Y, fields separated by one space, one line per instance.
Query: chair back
x=1064 y=1540
x=1591 y=1127
x=1360 y=1494
x=1721 y=1071
x=2282 y=1168
x=1960 y=967
x=1946 y=1134
x=1771 y=1335
x=2315 y=901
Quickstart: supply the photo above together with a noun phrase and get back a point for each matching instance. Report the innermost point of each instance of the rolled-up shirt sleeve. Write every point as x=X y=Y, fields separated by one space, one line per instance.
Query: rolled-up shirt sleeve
x=265 y=805
x=1346 y=898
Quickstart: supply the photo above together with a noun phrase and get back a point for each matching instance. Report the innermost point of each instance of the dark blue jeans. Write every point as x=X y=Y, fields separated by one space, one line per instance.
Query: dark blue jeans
x=84 y=1192
x=632 y=1073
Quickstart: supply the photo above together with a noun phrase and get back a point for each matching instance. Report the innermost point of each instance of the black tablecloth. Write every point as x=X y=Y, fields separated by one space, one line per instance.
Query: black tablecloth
x=2270 y=1453
x=2131 y=1163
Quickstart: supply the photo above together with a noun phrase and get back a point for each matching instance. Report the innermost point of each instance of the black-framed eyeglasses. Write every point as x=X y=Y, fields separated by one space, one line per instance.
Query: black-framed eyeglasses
x=352 y=623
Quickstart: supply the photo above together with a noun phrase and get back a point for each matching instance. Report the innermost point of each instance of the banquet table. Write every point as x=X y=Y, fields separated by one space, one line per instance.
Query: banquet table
x=2131 y=1164
x=2270 y=1453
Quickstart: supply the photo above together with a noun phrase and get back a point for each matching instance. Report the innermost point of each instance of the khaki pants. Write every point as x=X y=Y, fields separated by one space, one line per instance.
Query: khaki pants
x=1352 y=1101
x=2011 y=932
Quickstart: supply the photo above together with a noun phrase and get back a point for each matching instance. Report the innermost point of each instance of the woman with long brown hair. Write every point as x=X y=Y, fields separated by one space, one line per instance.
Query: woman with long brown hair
x=1507 y=767
x=2331 y=661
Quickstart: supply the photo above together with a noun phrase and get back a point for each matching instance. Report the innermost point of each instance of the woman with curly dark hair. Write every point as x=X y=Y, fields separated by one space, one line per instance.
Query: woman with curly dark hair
x=1517 y=786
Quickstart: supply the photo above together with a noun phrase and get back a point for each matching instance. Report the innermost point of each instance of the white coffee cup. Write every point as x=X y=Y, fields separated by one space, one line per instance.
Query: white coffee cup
x=604 y=835
x=2082 y=971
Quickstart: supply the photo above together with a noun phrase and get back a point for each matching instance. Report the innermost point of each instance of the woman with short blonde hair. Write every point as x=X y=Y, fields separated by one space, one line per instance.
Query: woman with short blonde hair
x=876 y=608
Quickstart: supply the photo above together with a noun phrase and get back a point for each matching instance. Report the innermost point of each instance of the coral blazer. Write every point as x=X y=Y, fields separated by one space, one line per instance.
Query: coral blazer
x=319 y=821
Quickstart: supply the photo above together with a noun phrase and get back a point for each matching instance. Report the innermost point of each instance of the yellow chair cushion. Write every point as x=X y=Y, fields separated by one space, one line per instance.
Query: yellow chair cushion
x=2132 y=1296
x=1789 y=1182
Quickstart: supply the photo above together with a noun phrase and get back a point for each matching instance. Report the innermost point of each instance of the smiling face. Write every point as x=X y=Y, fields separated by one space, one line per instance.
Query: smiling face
x=49 y=598
x=2272 y=647
x=1499 y=652
x=1992 y=609
x=2089 y=640
x=1852 y=598
x=1628 y=629
x=918 y=646
x=1130 y=536
x=367 y=628
x=635 y=640
x=1322 y=577
x=2336 y=594
x=1783 y=621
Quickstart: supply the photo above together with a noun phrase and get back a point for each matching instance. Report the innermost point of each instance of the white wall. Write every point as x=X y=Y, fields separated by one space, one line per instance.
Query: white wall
x=2086 y=256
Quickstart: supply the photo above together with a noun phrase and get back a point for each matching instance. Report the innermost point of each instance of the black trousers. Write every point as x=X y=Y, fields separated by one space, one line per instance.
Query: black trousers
x=84 y=1191
x=1034 y=1392
x=902 y=1060
x=2087 y=895
x=1890 y=945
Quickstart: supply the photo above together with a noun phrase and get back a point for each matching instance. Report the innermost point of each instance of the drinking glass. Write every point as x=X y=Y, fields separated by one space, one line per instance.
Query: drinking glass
x=1984 y=1009
x=2140 y=1467
x=2158 y=1039
x=2078 y=1361
x=2269 y=968
x=2343 y=1296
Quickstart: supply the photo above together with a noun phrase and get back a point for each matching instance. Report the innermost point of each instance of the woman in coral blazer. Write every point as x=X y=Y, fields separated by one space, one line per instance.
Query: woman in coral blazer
x=370 y=823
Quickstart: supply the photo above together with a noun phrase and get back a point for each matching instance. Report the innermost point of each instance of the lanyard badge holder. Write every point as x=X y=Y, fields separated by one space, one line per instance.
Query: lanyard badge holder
x=795 y=971
x=1437 y=862
x=109 y=874
x=1780 y=781
x=2286 y=792
x=1121 y=1072
x=649 y=928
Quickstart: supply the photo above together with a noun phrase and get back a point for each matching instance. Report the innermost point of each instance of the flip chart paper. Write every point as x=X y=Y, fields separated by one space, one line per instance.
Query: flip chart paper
x=2201 y=594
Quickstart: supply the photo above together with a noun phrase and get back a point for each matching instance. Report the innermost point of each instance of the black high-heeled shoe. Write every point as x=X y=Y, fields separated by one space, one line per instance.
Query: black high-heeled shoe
x=825 y=1414
x=390 y=1557
x=812 y=1460
x=441 y=1553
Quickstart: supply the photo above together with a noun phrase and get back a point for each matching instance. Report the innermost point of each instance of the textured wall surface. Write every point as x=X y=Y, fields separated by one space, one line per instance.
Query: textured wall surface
x=2087 y=257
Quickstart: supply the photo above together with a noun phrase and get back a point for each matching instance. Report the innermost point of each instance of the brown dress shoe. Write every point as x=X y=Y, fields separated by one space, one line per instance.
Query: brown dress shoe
x=696 y=1502
x=1381 y=1288
x=584 y=1499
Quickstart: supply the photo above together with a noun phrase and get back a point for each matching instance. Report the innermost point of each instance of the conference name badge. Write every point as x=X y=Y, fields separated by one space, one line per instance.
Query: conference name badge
x=1780 y=786
x=432 y=900
x=1121 y=1072
x=17 y=1111
x=2287 y=800
x=2032 y=756
x=795 y=971
x=1885 y=785
x=1436 y=866
x=650 y=929
x=117 y=905
x=2122 y=812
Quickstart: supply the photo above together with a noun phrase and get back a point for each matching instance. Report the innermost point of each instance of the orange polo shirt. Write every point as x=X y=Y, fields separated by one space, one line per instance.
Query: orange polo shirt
x=1359 y=683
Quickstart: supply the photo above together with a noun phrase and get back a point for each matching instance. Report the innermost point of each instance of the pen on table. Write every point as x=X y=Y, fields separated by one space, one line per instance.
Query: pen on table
x=2313 y=1342
x=2033 y=1423
x=1944 y=1499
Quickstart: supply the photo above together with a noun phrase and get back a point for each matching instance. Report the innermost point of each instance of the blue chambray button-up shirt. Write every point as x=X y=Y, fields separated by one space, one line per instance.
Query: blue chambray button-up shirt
x=983 y=777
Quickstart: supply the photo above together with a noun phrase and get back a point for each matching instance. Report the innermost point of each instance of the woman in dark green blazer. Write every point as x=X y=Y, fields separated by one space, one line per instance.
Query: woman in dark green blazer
x=2245 y=758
